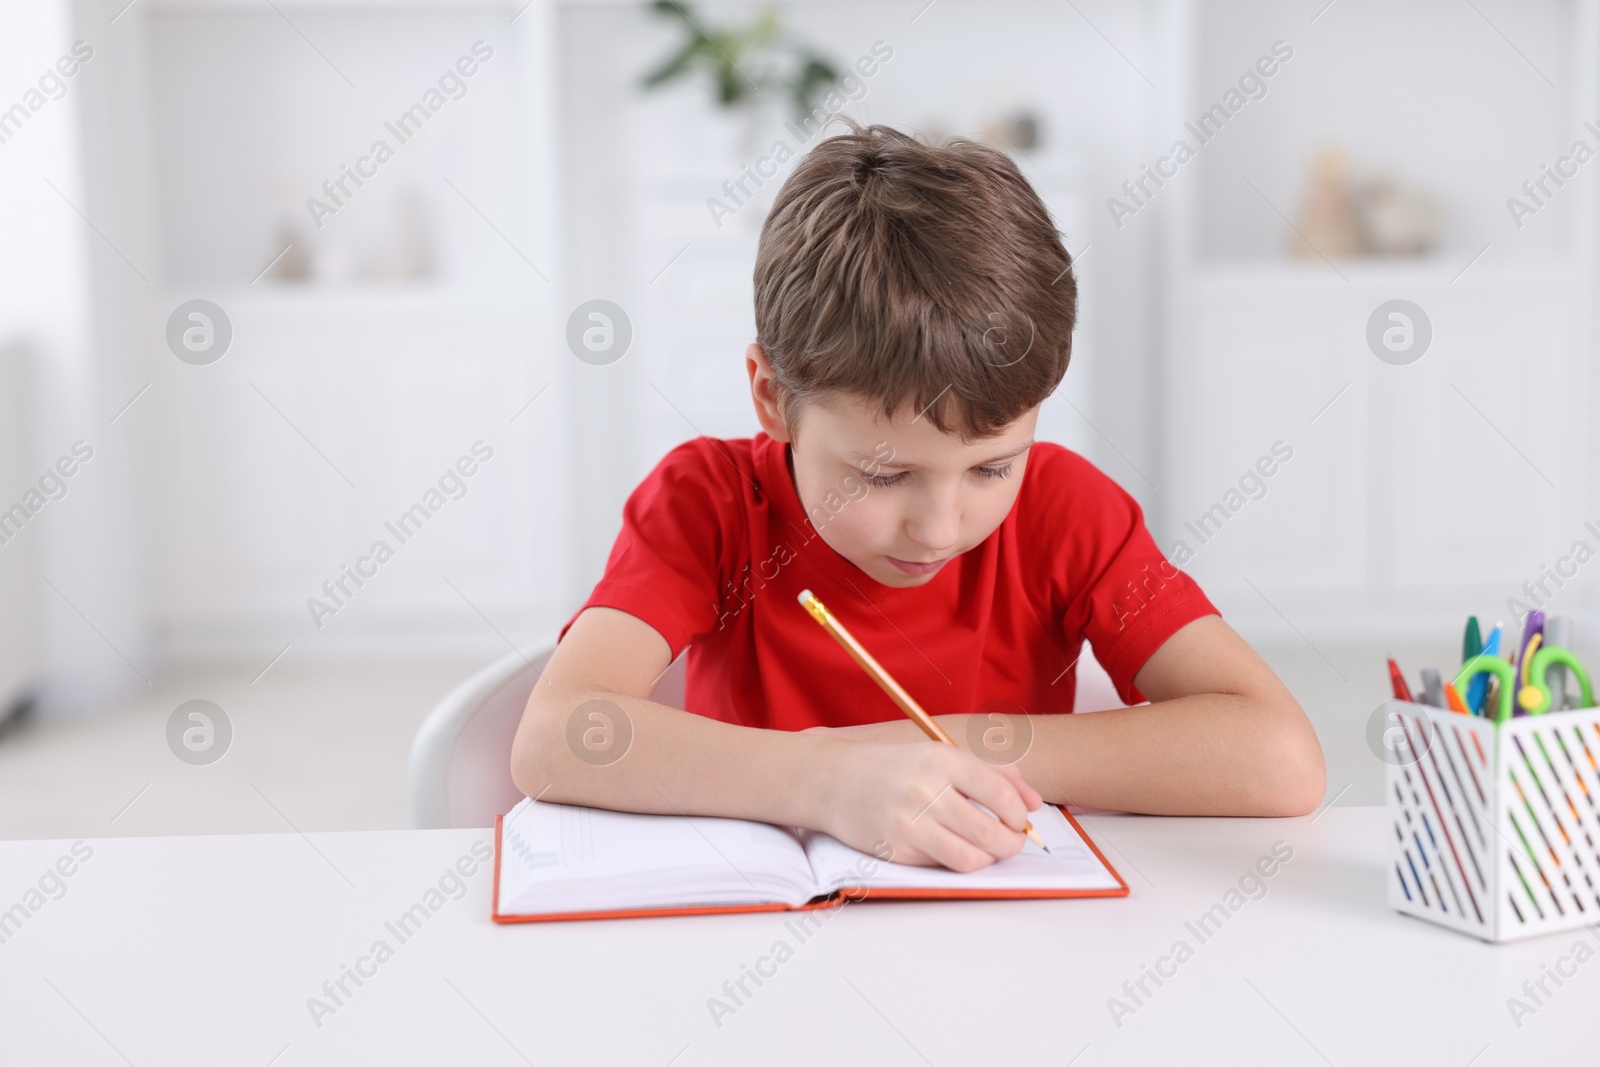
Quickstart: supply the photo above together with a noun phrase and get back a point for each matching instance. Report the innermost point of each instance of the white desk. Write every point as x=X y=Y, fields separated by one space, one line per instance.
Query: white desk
x=204 y=950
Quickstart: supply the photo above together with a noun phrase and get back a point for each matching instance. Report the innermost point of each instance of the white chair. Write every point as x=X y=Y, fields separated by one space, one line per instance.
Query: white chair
x=461 y=757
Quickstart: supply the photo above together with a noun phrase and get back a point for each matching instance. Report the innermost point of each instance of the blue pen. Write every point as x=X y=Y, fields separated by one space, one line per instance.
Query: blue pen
x=1478 y=687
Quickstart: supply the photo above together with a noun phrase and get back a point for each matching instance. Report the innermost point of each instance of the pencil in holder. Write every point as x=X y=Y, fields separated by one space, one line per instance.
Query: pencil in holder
x=1495 y=828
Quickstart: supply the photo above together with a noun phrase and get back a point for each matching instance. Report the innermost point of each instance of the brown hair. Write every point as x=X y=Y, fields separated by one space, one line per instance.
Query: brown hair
x=902 y=272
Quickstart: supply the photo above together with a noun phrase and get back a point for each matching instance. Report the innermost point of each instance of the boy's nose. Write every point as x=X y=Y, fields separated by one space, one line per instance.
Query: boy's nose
x=934 y=533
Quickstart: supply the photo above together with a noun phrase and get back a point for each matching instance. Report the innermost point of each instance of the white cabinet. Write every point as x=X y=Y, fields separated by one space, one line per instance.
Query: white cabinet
x=1260 y=360
x=329 y=419
x=1446 y=477
x=347 y=398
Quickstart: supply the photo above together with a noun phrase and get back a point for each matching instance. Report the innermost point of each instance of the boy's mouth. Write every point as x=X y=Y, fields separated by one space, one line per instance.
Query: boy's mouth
x=909 y=567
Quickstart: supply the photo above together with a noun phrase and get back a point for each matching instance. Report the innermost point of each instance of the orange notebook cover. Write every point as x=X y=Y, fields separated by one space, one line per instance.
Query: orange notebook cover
x=946 y=891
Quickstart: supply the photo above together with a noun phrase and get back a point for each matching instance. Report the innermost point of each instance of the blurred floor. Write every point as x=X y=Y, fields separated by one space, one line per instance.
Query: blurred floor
x=325 y=748
x=313 y=748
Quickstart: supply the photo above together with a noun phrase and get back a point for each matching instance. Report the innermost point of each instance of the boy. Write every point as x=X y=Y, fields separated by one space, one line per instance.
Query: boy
x=914 y=307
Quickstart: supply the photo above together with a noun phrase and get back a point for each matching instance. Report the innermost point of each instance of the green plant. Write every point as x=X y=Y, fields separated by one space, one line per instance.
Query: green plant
x=745 y=63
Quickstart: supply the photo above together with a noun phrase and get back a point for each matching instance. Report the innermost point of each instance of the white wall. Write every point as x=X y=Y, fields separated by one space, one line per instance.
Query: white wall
x=346 y=397
x=219 y=501
x=1428 y=90
x=637 y=170
x=210 y=513
x=65 y=285
x=1417 y=493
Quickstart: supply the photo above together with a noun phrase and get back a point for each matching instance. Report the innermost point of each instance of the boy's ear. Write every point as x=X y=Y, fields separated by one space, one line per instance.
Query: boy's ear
x=768 y=412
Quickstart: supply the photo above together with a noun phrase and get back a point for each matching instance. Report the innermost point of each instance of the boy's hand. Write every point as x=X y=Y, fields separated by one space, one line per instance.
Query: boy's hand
x=919 y=799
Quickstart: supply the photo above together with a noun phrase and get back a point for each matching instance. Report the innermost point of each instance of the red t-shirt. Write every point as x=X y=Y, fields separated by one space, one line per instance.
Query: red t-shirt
x=715 y=548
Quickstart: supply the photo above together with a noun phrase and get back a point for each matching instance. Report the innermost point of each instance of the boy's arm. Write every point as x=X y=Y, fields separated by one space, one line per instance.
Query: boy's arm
x=1221 y=736
x=629 y=753
x=649 y=757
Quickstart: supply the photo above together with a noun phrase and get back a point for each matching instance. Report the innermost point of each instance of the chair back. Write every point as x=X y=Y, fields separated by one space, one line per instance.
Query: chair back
x=461 y=756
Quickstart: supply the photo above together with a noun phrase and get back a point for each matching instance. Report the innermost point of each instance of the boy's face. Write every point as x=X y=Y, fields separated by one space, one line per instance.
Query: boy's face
x=890 y=495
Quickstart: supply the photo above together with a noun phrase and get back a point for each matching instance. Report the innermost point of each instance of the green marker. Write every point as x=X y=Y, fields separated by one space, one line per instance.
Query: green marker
x=1471 y=649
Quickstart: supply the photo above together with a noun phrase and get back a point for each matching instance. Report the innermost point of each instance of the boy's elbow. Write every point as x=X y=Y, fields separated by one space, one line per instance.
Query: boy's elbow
x=530 y=750
x=1301 y=778
x=1302 y=796
x=524 y=772
x=523 y=775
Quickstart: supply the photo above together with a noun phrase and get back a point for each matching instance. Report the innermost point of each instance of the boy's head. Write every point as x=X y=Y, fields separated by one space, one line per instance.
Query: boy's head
x=914 y=306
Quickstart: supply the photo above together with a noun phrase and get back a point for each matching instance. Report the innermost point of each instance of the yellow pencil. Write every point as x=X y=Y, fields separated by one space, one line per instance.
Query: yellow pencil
x=884 y=679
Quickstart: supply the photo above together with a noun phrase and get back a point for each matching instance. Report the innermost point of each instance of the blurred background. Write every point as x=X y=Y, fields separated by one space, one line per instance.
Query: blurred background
x=281 y=280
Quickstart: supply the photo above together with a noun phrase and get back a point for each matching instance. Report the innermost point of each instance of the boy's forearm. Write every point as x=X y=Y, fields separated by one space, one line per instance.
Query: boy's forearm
x=666 y=761
x=1206 y=754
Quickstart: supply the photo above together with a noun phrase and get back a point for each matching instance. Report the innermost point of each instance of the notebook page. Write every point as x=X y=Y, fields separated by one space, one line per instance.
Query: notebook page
x=1070 y=864
x=565 y=857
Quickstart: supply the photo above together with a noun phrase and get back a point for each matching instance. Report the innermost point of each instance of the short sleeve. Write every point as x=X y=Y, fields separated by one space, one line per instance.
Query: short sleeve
x=681 y=527
x=1115 y=588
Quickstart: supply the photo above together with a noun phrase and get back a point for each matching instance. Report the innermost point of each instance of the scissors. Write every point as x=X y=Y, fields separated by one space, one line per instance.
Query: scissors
x=1487 y=663
x=1534 y=697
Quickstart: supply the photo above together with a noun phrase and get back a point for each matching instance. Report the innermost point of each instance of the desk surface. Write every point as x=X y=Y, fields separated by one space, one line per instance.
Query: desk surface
x=207 y=950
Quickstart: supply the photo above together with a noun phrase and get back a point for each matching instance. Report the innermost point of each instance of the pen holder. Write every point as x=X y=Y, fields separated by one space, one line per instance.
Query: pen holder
x=1495 y=828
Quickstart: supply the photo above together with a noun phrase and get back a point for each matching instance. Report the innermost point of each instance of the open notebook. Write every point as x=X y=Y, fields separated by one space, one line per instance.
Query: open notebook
x=562 y=861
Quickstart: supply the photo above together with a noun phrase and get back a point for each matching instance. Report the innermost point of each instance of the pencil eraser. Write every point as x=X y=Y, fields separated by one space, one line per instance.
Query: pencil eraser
x=805 y=596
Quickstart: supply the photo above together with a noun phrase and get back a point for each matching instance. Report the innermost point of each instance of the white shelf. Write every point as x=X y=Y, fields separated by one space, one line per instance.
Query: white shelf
x=1299 y=274
x=379 y=6
x=1436 y=87
x=361 y=297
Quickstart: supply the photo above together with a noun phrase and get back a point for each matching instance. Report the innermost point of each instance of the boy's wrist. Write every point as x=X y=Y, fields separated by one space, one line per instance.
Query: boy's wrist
x=814 y=767
x=892 y=730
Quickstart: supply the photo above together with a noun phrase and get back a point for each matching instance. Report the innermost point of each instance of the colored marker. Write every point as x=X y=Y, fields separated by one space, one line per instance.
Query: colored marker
x=1528 y=695
x=1558 y=634
x=1453 y=697
x=1533 y=625
x=1471 y=645
x=1432 y=687
x=1397 y=682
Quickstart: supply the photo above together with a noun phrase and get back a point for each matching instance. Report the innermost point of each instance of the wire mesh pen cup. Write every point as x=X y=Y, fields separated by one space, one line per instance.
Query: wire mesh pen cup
x=1494 y=828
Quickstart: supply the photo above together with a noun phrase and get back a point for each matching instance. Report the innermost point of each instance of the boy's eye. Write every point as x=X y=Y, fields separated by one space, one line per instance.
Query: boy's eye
x=895 y=479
